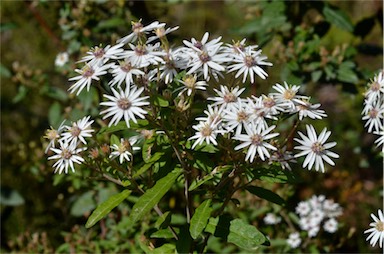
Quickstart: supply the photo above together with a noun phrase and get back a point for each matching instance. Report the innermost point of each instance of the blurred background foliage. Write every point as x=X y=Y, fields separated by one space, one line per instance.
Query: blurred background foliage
x=332 y=48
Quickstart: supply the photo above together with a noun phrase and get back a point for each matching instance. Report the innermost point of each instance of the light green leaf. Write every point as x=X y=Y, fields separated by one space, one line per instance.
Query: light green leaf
x=164 y=233
x=149 y=163
x=244 y=235
x=265 y=194
x=196 y=183
x=338 y=18
x=152 y=196
x=163 y=221
x=200 y=218
x=160 y=101
x=346 y=74
x=10 y=197
x=105 y=207
x=166 y=248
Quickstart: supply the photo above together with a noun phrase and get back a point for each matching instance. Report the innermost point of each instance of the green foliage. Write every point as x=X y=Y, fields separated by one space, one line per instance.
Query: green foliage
x=200 y=218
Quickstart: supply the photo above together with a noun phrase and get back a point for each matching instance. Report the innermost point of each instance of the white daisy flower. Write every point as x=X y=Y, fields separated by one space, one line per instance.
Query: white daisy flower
x=144 y=55
x=272 y=219
x=160 y=32
x=173 y=60
x=125 y=103
x=236 y=47
x=248 y=63
x=206 y=132
x=283 y=157
x=259 y=112
x=375 y=88
x=285 y=95
x=226 y=97
x=374 y=118
x=380 y=140
x=315 y=148
x=255 y=141
x=124 y=149
x=213 y=114
x=237 y=116
x=376 y=232
x=61 y=59
x=125 y=71
x=53 y=135
x=303 y=208
x=99 y=56
x=204 y=44
x=294 y=240
x=331 y=225
x=78 y=131
x=191 y=85
x=87 y=74
x=312 y=232
x=66 y=156
x=307 y=109
x=139 y=30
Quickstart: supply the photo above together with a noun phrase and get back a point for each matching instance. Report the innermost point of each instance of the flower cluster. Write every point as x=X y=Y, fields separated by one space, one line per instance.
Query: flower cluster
x=142 y=61
x=318 y=211
x=373 y=111
x=71 y=140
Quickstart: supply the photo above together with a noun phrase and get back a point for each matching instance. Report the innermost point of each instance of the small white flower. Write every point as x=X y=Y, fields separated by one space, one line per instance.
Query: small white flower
x=124 y=149
x=248 y=63
x=303 y=208
x=255 y=141
x=53 y=135
x=99 y=56
x=286 y=95
x=306 y=109
x=226 y=97
x=315 y=148
x=144 y=55
x=283 y=156
x=61 y=59
x=331 y=225
x=272 y=219
x=138 y=29
x=206 y=131
x=312 y=232
x=125 y=103
x=173 y=60
x=213 y=115
x=376 y=232
x=237 y=116
x=374 y=118
x=66 y=156
x=191 y=85
x=125 y=71
x=78 y=131
x=160 y=32
x=375 y=88
x=87 y=74
x=294 y=240
x=380 y=140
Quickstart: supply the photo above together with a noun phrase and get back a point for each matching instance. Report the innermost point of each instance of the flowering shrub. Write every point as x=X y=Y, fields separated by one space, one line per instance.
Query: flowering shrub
x=183 y=118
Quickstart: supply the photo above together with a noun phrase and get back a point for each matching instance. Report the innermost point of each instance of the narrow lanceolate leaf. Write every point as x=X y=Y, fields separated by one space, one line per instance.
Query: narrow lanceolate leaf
x=266 y=194
x=153 y=196
x=200 y=219
x=244 y=235
x=105 y=207
x=338 y=18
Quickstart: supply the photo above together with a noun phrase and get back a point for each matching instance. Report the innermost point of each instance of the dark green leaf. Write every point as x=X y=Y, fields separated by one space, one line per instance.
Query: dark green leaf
x=200 y=218
x=163 y=221
x=338 y=18
x=105 y=207
x=266 y=194
x=84 y=204
x=244 y=235
x=149 y=163
x=10 y=197
x=152 y=196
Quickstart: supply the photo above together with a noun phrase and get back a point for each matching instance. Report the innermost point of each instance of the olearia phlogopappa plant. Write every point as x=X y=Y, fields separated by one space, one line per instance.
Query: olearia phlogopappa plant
x=184 y=119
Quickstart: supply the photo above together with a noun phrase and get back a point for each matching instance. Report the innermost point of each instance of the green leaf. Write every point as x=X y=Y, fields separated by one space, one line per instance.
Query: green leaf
x=200 y=218
x=10 y=197
x=274 y=174
x=164 y=233
x=165 y=248
x=244 y=235
x=115 y=140
x=105 y=207
x=21 y=93
x=83 y=204
x=338 y=18
x=346 y=74
x=4 y=71
x=160 y=101
x=149 y=163
x=54 y=114
x=163 y=221
x=198 y=182
x=152 y=196
x=316 y=75
x=266 y=194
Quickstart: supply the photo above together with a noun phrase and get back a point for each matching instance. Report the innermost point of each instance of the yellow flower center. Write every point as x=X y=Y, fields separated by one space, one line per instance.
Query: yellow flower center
x=289 y=94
